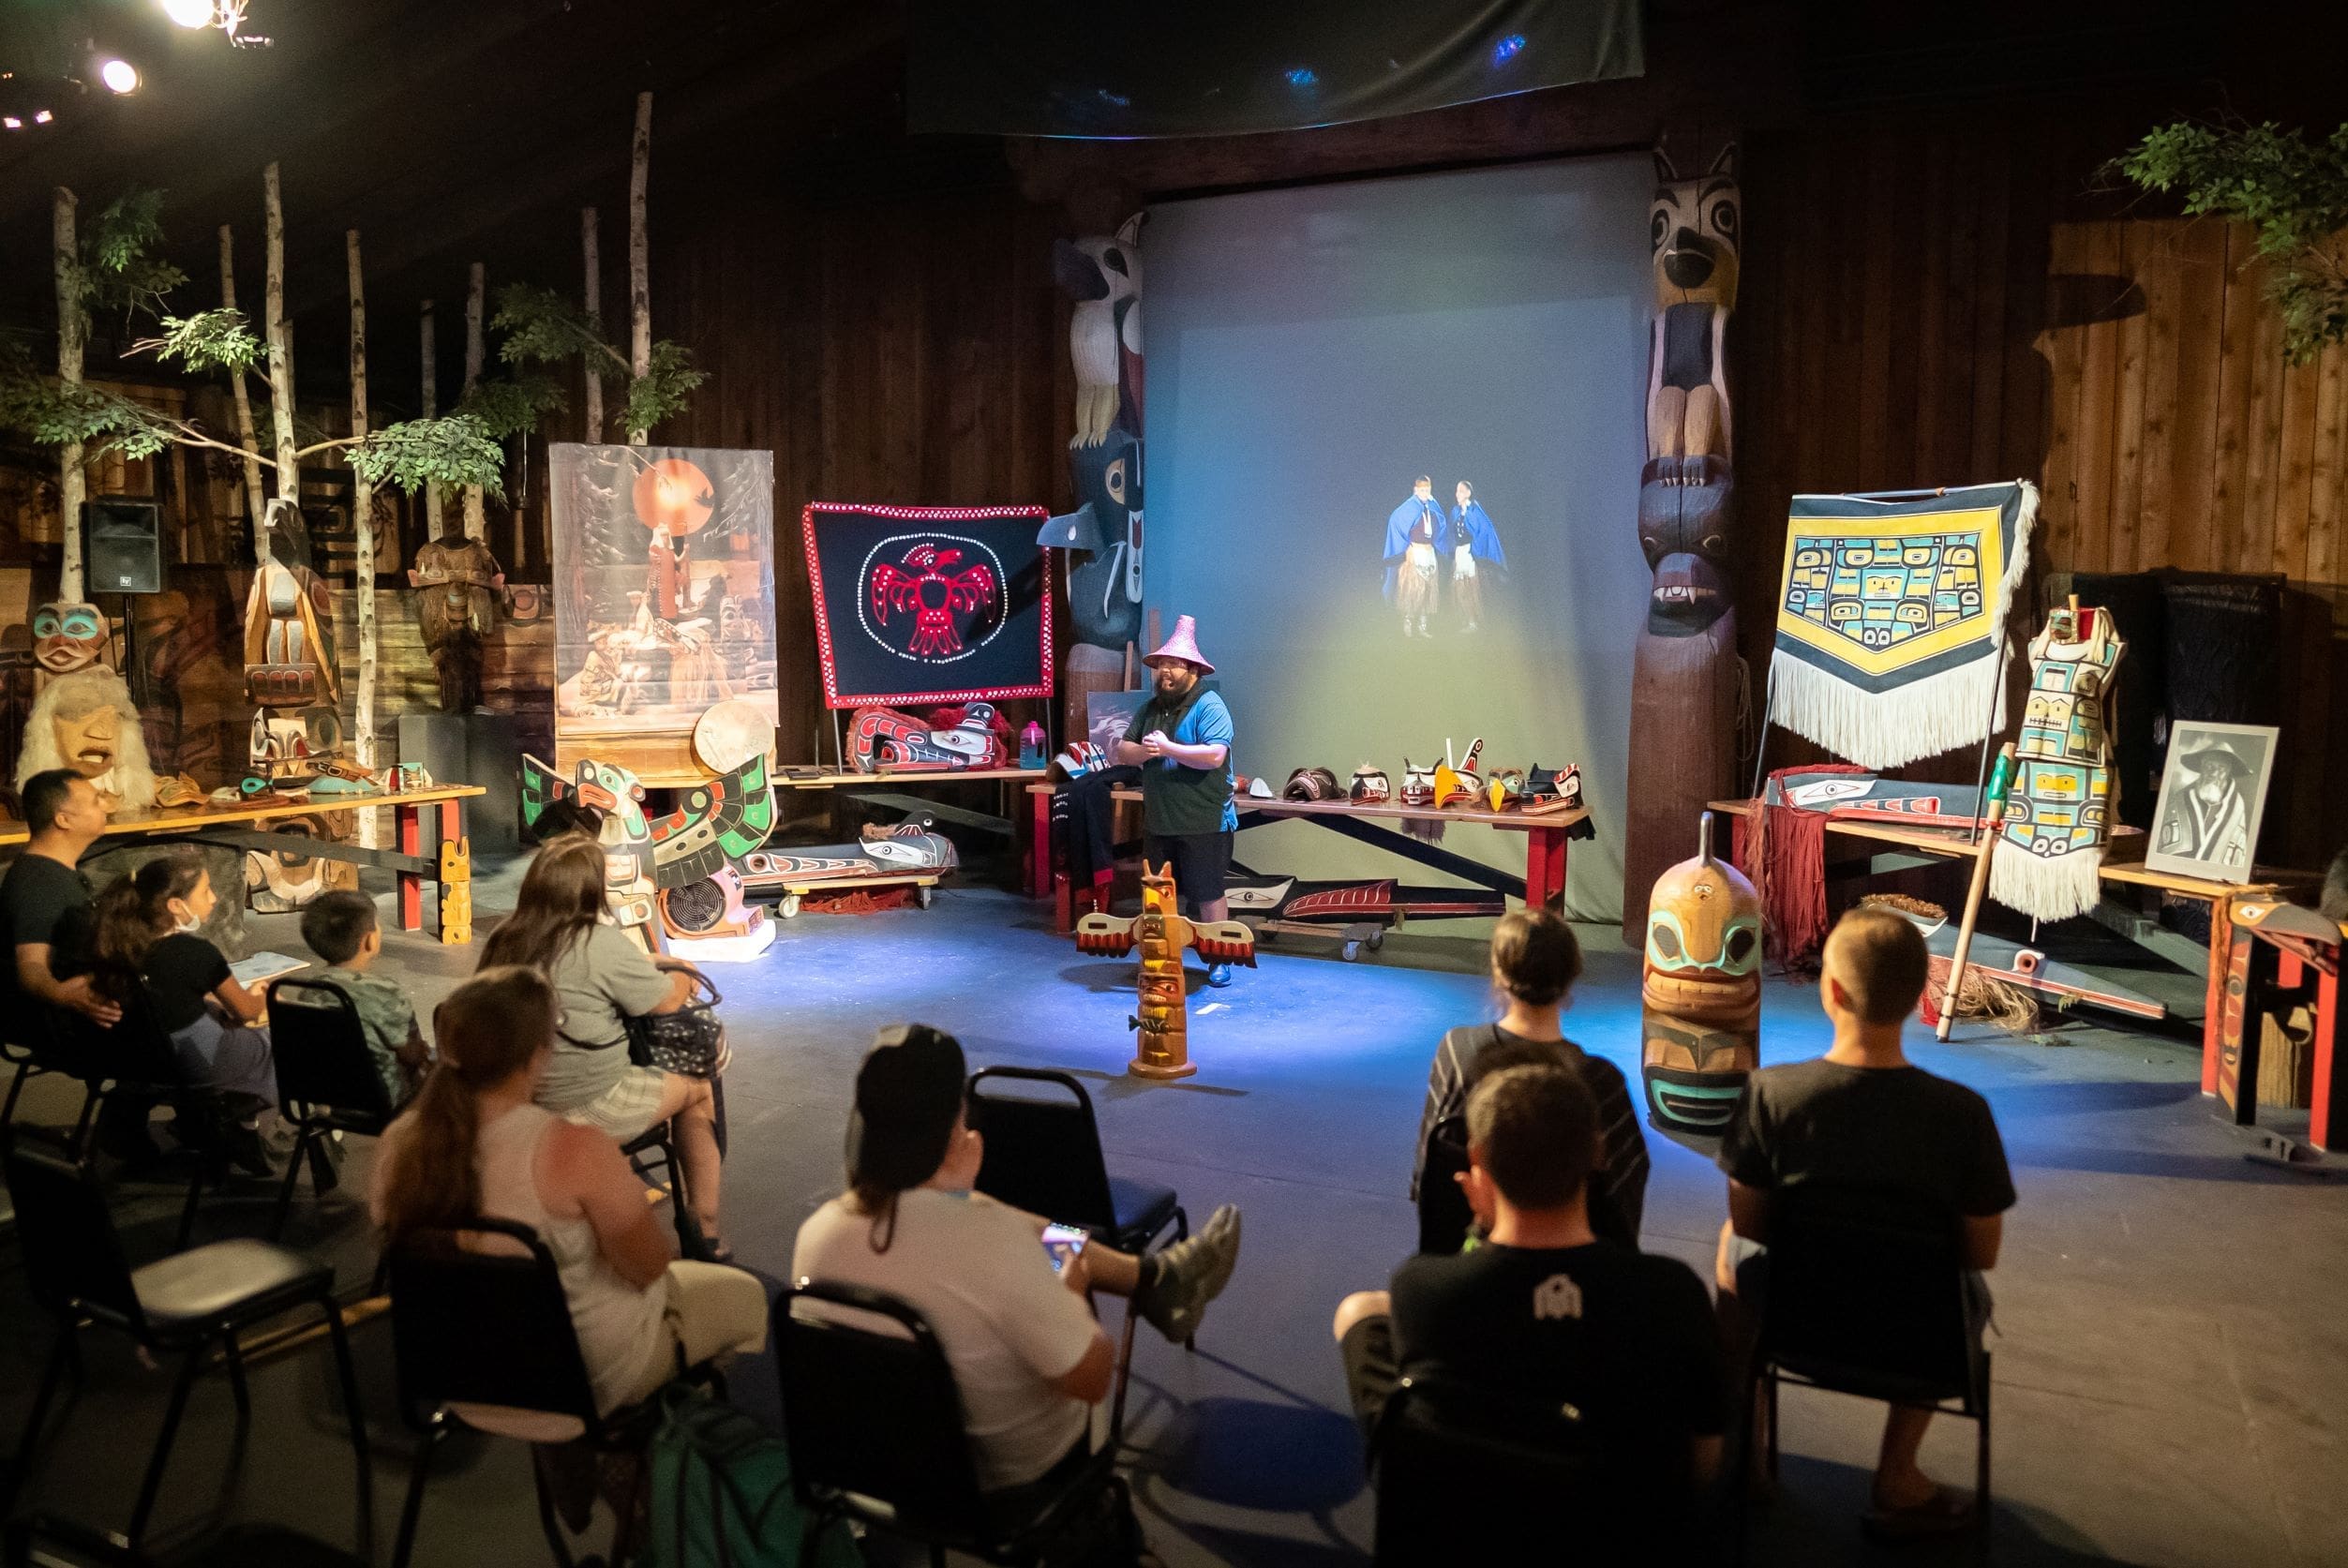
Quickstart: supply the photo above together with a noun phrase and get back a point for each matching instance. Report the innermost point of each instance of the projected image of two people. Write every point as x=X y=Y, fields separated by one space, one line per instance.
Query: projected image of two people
x=1442 y=566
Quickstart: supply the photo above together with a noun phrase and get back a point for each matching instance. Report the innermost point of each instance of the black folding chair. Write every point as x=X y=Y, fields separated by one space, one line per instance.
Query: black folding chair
x=875 y=1431
x=184 y=1303
x=327 y=1081
x=1866 y=1295
x=1043 y=1156
x=31 y=1047
x=1468 y=1474
x=481 y=1333
x=135 y=1058
x=1444 y=1214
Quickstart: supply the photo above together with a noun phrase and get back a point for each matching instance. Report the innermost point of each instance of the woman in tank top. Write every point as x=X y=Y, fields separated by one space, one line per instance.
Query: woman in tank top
x=473 y=1142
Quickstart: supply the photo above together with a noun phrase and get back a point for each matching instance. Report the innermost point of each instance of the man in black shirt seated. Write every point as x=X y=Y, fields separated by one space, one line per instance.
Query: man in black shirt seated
x=1863 y=1116
x=49 y=919
x=1543 y=1308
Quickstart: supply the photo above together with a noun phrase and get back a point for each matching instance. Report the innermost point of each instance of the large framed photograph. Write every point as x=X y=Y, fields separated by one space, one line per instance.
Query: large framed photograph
x=2212 y=794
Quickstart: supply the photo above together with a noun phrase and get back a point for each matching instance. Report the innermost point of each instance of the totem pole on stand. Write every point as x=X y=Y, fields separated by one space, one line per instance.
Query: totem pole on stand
x=1684 y=673
x=1102 y=538
x=1700 y=992
x=1161 y=1019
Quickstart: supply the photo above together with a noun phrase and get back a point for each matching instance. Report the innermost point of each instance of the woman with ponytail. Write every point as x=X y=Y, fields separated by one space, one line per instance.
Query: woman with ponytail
x=475 y=1142
x=146 y=943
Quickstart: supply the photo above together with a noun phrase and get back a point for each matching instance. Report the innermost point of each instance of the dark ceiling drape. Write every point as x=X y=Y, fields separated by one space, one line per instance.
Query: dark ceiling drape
x=1196 y=68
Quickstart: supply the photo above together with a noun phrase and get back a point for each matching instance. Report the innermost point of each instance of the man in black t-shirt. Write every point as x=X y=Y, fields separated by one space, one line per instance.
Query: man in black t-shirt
x=1543 y=1309
x=1863 y=1116
x=47 y=910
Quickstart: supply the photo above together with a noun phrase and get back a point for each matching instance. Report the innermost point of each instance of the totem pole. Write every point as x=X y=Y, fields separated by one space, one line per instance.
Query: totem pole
x=1684 y=674
x=1700 y=992
x=1102 y=540
x=1161 y=1019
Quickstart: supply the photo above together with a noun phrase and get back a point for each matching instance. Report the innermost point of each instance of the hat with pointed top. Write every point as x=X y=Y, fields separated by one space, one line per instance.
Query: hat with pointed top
x=1183 y=645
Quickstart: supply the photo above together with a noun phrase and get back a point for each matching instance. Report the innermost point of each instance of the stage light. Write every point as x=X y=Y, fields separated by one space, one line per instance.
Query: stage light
x=189 y=13
x=43 y=118
x=120 y=76
x=1507 y=48
x=1303 y=75
x=9 y=122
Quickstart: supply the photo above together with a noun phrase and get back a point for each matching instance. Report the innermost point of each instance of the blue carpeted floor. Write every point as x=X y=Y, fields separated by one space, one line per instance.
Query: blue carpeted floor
x=2171 y=1369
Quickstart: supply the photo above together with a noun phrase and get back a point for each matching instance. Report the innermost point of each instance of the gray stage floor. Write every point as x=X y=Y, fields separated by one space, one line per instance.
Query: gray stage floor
x=2171 y=1359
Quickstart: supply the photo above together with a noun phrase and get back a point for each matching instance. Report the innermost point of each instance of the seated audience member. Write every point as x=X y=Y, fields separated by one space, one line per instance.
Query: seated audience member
x=1863 y=1116
x=52 y=925
x=147 y=941
x=475 y=1142
x=1544 y=1308
x=1535 y=962
x=1027 y=1355
x=604 y=978
x=340 y=927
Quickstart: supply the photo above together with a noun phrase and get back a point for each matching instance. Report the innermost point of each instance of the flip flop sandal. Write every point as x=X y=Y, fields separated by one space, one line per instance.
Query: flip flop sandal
x=1944 y=1512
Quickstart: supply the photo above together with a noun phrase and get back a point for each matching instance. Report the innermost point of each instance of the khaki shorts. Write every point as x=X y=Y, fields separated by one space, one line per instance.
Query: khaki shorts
x=629 y=1108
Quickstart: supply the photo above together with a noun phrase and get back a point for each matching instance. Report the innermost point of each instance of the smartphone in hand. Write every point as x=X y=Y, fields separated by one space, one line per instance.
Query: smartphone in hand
x=1063 y=1242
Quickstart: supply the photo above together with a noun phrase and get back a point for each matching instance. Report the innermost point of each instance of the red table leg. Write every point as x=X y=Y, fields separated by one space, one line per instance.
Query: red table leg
x=2327 y=1061
x=1544 y=867
x=1039 y=847
x=411 y=833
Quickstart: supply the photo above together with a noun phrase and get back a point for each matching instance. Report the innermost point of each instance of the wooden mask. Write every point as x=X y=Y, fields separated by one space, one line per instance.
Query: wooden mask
x=68 y=635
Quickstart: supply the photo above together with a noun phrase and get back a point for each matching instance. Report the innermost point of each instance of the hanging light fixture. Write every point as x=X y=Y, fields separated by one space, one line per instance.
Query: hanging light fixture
x=191 y=14
x=120 y=76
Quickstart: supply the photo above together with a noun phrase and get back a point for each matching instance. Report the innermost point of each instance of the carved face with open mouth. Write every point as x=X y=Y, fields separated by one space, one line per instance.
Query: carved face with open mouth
x=68 y=636
x=89 y=743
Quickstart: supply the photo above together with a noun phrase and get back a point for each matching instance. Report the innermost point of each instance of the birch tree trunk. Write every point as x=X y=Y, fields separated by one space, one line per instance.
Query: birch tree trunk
x=363 y=541
x=476 y=514
x=593 y=295
x=253 y=500
x=431 y=406
x=71 y=483
x=281 y=340
x=639 y=258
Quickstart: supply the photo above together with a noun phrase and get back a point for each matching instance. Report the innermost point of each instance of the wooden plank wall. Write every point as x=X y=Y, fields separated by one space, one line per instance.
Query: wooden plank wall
x=1941 y=297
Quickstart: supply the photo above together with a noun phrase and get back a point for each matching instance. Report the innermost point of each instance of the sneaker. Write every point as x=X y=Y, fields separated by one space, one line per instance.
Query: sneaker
x=1192 y=1272
x=1219 y=974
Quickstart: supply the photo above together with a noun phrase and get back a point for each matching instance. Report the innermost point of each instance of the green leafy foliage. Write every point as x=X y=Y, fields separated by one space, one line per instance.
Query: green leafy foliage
x=664 y=390
x=456 y=449
x=208 y=341
x=512 y=407
x=2293 y=193
x=541 y=326
x=118 y=269
x=53 y=413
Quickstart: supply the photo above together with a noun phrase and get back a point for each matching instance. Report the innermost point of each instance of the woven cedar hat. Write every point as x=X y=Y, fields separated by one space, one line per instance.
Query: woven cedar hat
x=1183 y=645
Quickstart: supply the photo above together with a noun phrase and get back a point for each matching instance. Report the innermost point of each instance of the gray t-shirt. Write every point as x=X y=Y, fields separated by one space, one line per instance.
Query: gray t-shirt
x=600 y=981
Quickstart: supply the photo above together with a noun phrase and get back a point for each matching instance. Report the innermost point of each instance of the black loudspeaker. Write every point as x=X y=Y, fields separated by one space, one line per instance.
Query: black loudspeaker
x=121 y=545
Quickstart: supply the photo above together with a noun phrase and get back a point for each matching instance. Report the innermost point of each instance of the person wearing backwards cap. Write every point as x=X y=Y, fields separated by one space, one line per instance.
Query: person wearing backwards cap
x=1028 y=1358
x=1181 y=741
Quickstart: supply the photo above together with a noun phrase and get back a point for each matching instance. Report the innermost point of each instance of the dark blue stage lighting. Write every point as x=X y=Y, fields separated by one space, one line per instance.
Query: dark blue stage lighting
x=1507 y=49
x=1303 y=75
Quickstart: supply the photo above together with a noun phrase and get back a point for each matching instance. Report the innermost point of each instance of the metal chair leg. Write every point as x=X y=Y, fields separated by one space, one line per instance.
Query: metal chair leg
x=154 y=1482
x=1771 y=1375
x=77 y=1141
x=187 y=1210
x=547 y=1521
x=285 y=1189
x=233 y=1354
x=59 y=1358
x=354 y=1412
x=419 y=1471
x=15 y=1087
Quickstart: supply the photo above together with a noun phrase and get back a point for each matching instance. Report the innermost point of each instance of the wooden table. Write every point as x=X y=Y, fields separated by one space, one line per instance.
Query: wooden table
x=876 y=789
x=239 y=827
x=2262 y=965
x=2123 y=866
x=1541 y=887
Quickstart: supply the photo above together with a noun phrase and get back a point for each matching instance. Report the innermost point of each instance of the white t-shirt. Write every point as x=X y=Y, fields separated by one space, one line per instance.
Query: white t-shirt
x=977 y=1273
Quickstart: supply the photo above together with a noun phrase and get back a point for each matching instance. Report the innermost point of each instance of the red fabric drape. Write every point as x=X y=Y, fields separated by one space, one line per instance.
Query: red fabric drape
x=1782 y=851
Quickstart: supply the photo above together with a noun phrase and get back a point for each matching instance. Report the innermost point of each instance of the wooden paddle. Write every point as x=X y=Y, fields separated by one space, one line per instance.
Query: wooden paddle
x=1994 y=812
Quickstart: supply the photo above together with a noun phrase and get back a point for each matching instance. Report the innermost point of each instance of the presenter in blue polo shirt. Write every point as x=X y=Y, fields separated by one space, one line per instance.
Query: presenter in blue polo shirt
x=1181 y=741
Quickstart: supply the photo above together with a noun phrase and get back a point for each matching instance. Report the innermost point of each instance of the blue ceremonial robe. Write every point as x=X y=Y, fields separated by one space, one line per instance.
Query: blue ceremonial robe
x=1400 y=522
x=1472 y=526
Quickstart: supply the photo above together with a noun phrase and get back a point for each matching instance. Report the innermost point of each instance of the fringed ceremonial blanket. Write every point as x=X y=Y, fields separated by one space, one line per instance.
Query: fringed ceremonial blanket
x=1892 y=616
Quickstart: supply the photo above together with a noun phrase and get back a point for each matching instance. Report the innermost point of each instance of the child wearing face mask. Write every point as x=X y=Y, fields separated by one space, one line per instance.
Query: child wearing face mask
x=146 y=936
